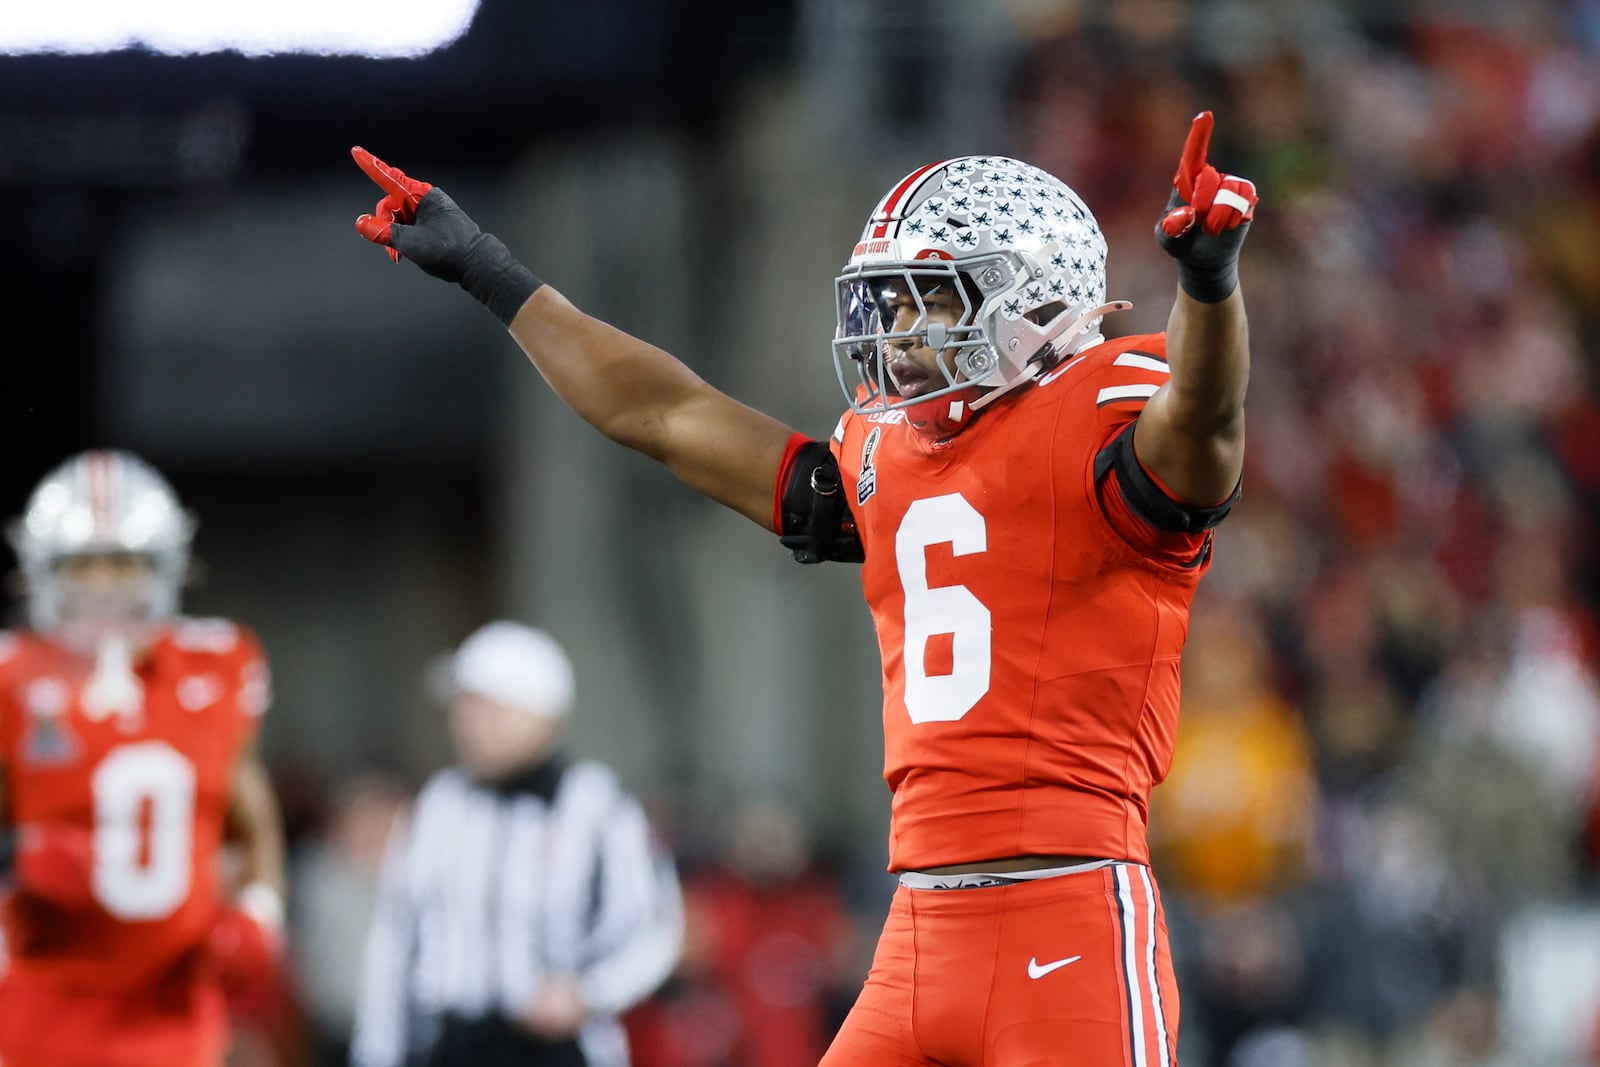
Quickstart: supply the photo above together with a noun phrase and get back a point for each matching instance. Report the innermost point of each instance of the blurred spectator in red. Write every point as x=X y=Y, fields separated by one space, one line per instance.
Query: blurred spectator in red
x=767 y=943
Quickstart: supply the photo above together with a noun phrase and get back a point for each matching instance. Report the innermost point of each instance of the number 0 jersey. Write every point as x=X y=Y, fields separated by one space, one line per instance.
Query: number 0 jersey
x=1030 y=623
x=152 y=786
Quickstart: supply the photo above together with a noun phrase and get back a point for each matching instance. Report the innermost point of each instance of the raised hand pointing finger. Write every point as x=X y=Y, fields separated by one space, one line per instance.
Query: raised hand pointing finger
x=420 y=222
x=406 y=192
x=1206 y=218
x=1193 y=160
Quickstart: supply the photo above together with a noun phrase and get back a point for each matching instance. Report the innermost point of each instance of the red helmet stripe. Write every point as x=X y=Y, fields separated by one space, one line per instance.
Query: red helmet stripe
x=897 y=194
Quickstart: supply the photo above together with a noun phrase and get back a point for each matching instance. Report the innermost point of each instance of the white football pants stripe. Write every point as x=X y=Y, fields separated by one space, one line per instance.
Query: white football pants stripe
x=1143 y=982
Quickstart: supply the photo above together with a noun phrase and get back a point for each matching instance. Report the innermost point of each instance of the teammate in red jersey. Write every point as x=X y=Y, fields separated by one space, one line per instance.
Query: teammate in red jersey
x=1033 y=505
x=126 y=760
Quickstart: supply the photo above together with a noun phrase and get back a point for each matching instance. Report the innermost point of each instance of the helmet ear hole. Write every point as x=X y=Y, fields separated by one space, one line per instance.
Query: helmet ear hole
x=1051 y=352
x=1046 y=313
x=973 y=291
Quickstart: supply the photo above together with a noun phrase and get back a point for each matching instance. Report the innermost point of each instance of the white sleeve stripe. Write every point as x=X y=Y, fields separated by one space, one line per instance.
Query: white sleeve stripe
x=1143 y=362
x=838 y=431
x=1112 y=393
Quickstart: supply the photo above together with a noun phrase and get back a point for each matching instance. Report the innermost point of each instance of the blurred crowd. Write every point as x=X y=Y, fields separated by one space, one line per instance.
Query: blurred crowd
x=1381 y=838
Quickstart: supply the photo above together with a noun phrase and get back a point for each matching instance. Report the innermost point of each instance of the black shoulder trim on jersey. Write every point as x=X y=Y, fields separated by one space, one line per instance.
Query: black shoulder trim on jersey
x=1204 y=554
x=1147 y=498
x=8 y=852
x=817 y=524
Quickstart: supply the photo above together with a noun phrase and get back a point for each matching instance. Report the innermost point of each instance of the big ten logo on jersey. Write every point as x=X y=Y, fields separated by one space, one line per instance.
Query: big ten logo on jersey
x=48 y=739
x=867 y=484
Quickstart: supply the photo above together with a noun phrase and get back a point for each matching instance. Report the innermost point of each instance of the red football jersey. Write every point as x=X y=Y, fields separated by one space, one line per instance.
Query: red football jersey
x=153 y=787
x=1030 y=625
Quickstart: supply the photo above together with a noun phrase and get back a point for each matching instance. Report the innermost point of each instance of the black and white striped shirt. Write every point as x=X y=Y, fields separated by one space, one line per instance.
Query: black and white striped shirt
x=489 y=889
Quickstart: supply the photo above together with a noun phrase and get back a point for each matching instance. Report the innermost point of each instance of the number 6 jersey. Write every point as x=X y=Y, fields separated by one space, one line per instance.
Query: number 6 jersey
x=151 y=783
x=1030 y=622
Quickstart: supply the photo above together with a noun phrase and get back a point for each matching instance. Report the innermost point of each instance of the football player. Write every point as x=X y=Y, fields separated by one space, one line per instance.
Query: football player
x=127 y=758
x=1033 y=505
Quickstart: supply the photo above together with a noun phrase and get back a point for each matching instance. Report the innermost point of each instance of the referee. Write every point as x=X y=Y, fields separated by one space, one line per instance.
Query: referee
x=525 y=904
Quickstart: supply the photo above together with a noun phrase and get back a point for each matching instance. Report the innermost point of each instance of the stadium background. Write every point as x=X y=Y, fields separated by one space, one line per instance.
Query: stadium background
x=1379 y=844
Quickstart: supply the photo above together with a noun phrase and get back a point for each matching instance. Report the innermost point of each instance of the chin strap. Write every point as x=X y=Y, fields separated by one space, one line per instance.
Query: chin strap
x=943 y=416
x=1038 y=367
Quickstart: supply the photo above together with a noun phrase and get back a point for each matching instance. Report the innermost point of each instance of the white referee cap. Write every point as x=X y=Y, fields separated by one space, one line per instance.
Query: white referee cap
x=513 y=664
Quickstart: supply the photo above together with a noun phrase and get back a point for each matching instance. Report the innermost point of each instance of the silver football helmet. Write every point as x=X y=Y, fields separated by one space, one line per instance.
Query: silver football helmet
x=102 y=503
x=1024 y=258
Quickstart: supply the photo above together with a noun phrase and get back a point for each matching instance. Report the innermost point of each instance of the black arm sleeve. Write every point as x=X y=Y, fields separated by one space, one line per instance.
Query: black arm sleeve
x=1148 y=500
x=817 y=525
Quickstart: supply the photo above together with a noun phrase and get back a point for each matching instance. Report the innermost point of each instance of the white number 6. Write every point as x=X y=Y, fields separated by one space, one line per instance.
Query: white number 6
x=946 y=609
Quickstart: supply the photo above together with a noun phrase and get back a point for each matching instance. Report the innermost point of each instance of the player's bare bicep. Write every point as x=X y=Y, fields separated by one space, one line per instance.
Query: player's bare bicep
x=1199 y=468
x=728 y=451
x=1146 y=513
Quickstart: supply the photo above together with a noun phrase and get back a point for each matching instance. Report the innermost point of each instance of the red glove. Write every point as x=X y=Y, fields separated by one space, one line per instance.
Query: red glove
x=1222 y=204
x=247 y=938
x=416 y=220
x=402 y=195
x=55 y=862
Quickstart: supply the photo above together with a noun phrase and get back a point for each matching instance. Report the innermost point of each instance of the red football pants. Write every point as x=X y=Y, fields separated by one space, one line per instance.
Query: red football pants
x=46 y=1026
x=1071 y=970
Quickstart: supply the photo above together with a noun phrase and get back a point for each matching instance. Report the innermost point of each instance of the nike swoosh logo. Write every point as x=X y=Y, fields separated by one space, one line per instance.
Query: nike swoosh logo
x=1037 y=971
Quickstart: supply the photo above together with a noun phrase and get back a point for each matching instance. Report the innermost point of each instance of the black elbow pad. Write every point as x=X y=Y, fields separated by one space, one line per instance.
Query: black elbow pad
x=1147 y=499
x=817 y=524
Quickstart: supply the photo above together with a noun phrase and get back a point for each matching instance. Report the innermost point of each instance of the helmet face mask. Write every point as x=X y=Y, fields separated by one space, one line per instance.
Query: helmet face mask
x=1021 y=252
x=101 y=595
x=104 y=549
x=943 y=319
